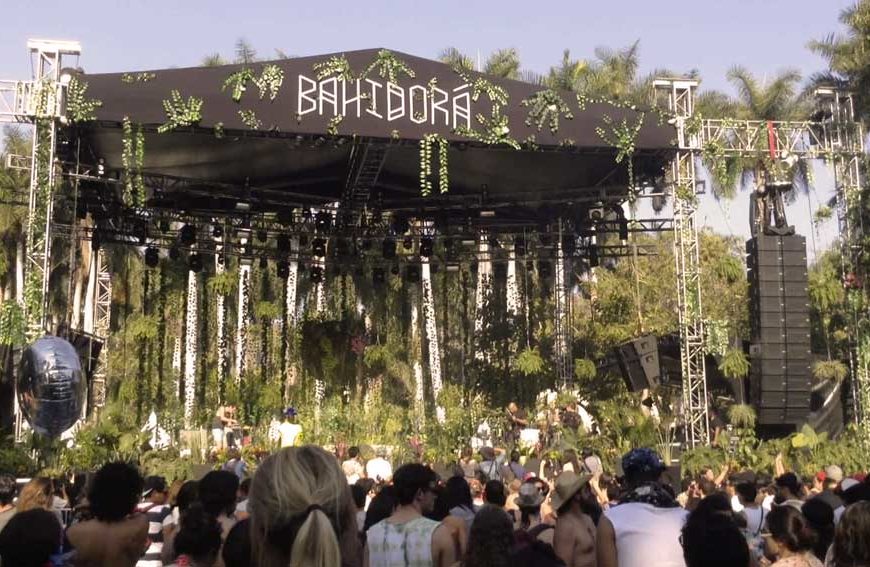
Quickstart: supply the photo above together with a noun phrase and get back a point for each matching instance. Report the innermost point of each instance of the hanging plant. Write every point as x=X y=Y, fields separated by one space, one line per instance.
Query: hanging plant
x=585 y=369
x=336 y=66
x=219 y=130
x=11 y=324
x=833 y=370
x=142 y=327
x=80 y=108
x=622 y=136
x=332 y=124
x=236 y=82
x=224 y=283
x=734 y=364
x=495 y=131
x=180 y=112
x=547 y=107
x=426 y=144
x=132 y=159
x=529 y=362
x=270 y=80
x=130 y=78
x=249 y=118
x=388 y=66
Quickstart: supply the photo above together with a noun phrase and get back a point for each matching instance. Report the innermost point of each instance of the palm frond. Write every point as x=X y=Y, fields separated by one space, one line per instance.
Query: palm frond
x=213 y=60
x=455 y=58
x=503 y=63
x=532 y=77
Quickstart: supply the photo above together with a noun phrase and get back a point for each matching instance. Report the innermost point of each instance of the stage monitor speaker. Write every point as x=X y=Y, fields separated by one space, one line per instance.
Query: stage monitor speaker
x=639 y=363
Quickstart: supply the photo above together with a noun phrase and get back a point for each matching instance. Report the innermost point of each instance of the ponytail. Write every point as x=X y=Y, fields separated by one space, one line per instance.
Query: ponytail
x=316 y=543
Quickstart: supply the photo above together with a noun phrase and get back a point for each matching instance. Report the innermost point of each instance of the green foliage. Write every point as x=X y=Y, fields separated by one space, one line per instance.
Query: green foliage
x=734 y=364
x=623 y=137
x=12 y=324
x=388 y=67
x=426 y=144
x=742 y=416
x=133 y=159
x=529 y=362
x=267 y=310
x=16 y=460
x=236 y=83
x=224 y=283
x=249 y=119
x=336 y=66
x=130 y=78
x=142 y=327
x=180 y=112
x=332 y=124
x=546 y=107
x=833 y=370
x=584 y=369
x=79 y=107
x=730 y=268
x=822 y=214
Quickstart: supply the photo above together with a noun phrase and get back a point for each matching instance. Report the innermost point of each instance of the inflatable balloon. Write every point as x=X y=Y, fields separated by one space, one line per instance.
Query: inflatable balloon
x=51 y=386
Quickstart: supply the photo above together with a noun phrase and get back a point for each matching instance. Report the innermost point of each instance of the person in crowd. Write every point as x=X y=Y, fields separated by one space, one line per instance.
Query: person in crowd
x=494 y=494
x=116 y=536
x=352 y=468
x=242 y=499
x=574 y=536
x=217 y=494
x=236 y=551
x=458 y=501
x=198 y=540
x=515 y=469
x=513 y=492
x=789 y=490
x=490 y=540
x=407 y=538
x=369 y=486
x=381 y=507
x=754 y=516
x=379 y=469
x=789 y=540
x=358 y=493
x=30 y=539
x=644 y=529
x=491 y=463
x=187 y=495
x=851 y=546
x=833 y=476
x=467 y=462
x=36 y=494
x=224 y=418
x=154 y=505
x=291 y=432
x=820 y=517
x=235 y=463
x=8 y=488
x=476 y=488
x=529 y=502
x=712 y=538
x=570 y=462
x=301 y=511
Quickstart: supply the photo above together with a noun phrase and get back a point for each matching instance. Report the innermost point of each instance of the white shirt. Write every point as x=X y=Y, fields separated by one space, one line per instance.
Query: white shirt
x=767 y=502
x=647 y=536
x=379 y=469
x=352 y=469
x=755 y=518
x=289 y=433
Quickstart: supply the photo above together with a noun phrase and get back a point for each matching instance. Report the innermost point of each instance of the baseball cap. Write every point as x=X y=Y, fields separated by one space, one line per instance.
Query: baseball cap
x=642 y=460
x=834 y=473
x=153 y=483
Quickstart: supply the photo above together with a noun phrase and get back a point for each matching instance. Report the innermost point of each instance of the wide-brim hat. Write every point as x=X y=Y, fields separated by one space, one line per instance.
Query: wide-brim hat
x=568 y=484
x=529 y=496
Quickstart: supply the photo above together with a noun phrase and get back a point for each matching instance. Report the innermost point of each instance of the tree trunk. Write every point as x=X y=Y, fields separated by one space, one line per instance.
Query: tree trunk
x=191 y=348
x=432 y=336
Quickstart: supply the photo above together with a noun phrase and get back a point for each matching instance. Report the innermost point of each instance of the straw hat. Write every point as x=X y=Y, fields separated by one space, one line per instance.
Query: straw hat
x=567 y=485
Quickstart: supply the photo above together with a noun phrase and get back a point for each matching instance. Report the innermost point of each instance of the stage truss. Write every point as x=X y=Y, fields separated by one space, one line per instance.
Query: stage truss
x=836 y=136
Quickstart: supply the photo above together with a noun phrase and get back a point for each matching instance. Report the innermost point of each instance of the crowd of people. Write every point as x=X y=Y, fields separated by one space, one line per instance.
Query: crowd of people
x=305 y=506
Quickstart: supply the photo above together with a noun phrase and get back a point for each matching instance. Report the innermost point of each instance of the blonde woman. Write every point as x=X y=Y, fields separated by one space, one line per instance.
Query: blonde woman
x=36 y=494
x=301 y=511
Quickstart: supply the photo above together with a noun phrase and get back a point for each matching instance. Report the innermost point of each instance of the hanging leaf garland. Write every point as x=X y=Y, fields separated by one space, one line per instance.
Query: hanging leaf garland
x=270 y=81
x=546 y=107
x=494 y=128
x=249 y=118
x=388 y=66
x=180 y=112
x=132 y=159
x=236 y=82
x=622 y=136
x=80 y=108
x=336 y=66
x=426 y=164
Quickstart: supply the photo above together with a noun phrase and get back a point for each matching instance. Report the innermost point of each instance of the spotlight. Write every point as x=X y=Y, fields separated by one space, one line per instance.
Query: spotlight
x=520 y=246
x=427 y=246
x=316 y=274
x=264 y=263
x=322 y=221
x=400 y=224
x=378 y=276
x=195 y=263
x=306 y=213
x=174 y=254
x=545 y=270
x=282 y=243
x=217 y=231
x=262 y=235
x=412 y=273
x=569 y=244
x=593 y=256
x=493 y=241
x=188 y=234
x=152 y=257
x=452 y=267
x=596 y=212
x=282 y=268
x=319 y=247
x=388 y=249
x=408 y=243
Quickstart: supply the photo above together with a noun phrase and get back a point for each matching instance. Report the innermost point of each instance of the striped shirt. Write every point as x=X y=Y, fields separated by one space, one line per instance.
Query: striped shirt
x=159 y=517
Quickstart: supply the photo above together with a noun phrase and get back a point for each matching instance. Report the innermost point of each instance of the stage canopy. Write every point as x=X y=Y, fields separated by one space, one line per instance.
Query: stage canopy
x=305 y=131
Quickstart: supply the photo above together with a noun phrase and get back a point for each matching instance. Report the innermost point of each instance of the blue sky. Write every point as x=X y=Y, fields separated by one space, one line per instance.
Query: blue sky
x=709 y=35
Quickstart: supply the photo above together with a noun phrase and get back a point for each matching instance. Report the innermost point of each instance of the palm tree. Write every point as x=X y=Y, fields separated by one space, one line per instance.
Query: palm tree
x=456 y=59
x=568 y=75
x=213 y=60
x=504 y=63
x=13 y=215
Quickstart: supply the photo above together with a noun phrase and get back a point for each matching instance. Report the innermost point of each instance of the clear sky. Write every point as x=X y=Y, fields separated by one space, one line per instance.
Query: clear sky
x=708 y=35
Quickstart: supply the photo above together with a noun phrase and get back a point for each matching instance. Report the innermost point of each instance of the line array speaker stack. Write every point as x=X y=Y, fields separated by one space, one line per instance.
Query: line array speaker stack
x=780 y=380
x=639 y=363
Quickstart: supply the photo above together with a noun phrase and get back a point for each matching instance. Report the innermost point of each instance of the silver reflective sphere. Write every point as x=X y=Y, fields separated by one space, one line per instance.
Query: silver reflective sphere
x=51 y=387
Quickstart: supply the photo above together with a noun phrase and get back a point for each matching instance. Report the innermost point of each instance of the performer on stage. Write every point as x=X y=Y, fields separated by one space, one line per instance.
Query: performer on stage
x=224 y=418
x=291 y=432
x=517 y=421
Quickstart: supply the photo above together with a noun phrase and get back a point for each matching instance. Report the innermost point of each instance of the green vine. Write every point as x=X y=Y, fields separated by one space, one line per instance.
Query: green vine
x=249 y=118
x=388 y=66
x=180 y=112
x=79 y=107
x=622 y=136
x=495 y=130
x=11 y=324
x=426 y=164
x=270 y=81
x=547 y=107
x=132 y=159
x=130 y=78
x=336 y=66
x=236 y=83
x=219 y=130
x=332 y=125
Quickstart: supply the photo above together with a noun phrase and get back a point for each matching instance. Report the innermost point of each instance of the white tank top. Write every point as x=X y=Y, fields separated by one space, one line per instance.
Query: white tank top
x=647 y=536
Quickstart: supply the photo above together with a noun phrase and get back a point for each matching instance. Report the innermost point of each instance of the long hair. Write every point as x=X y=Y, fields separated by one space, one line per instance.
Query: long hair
x=852 y=538
x=490 y=539
x=300 y=507
x=35 y=494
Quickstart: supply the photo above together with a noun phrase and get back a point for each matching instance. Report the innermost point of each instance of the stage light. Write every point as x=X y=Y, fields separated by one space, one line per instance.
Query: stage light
x=194 y=262
x=408 y=243
x=487 y=213
x=319 y=247
x=174 y=254
x=399 y=225
x=452 y=267
x=282 y=268
x=493 y=241
x=322 y=221
x=412 y=273
x=520 y=246
x=596 y=212
x=388 y=249
x=306 y=213
x=264 y=263
x=217 y=231
x=545 y=270
x=593 y=256
x=188 y=234
x=427 y=247
x=282 y=243
x=316 y=274
x=262 y=235
x=378 y=276
x=152 y=257
x=569 y=244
